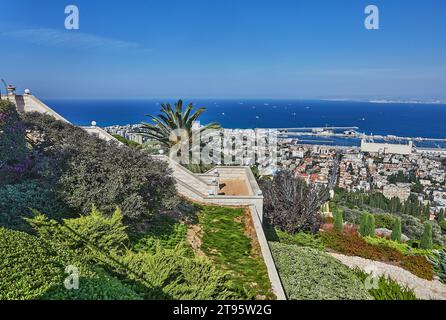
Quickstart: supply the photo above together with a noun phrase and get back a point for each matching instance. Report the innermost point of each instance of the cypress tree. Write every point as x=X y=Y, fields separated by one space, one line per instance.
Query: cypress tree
x=426 y=239
x=441 y=216
x=427 y=212
x=370 y=229
x=396 y=231
x=339 y=221
x=363 y=224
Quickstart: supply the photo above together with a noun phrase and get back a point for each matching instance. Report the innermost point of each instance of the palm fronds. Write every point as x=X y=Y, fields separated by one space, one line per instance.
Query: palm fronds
x=174 y=118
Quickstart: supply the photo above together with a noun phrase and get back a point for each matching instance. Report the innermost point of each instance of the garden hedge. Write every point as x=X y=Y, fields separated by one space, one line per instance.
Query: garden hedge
x=309 y=274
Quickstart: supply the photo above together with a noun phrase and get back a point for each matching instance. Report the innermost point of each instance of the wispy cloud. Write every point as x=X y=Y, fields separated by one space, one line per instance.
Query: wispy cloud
x=72 y=39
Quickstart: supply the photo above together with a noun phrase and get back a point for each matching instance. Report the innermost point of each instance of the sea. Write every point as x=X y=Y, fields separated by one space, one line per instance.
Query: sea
x=396 y=119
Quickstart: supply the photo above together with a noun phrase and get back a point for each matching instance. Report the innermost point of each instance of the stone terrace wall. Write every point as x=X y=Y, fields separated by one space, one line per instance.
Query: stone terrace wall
x=187 y=188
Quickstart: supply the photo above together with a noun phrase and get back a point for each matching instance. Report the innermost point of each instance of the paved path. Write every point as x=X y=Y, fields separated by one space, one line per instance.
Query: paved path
x=423 y=289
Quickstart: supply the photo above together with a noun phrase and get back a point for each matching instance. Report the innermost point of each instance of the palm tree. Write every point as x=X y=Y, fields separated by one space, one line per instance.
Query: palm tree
x=172 y=119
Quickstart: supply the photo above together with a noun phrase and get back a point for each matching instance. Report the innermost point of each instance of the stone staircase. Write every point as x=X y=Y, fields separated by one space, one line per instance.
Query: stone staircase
x=188 y=178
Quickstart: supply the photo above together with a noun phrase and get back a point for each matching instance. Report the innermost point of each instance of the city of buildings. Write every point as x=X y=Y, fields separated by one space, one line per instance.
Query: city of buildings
x=369 y=167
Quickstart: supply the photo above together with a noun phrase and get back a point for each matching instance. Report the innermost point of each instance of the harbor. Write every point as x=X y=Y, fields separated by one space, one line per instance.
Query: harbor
x=349 y=136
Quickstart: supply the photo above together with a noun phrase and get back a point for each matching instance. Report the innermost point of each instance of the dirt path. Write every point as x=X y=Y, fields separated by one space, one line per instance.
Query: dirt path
x=423 y=289
x=194 y=234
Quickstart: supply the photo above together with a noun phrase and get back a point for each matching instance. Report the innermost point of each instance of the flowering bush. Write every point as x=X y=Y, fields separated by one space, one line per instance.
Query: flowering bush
x=355 y=245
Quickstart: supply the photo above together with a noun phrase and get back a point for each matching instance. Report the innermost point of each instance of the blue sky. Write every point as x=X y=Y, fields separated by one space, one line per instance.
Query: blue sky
x=225 y=49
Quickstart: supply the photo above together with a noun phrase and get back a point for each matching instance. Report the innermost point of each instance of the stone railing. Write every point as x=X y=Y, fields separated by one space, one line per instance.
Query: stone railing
x=29 y=103
x=100 y=133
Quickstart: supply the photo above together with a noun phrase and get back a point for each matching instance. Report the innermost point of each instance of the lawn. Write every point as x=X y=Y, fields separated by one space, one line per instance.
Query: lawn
x=225 y=240
x=224 y=235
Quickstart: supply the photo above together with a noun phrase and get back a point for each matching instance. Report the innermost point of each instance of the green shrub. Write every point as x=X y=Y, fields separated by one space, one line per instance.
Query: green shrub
x=363 y=224
x=87 y=170
x=440 y=217
x=426 y=239
x=339 y=220
x=17 y=199
x=160 y=274
x=309 y=274
x=127 y=142
x=13 y=148
x=378 y=241
x=438 y=238
x=301 y=239
x=107 y=233
x=31 y=268
x=396 y=230
x=352 y=215
x=386 y=221
x=443 y=225
x=165 y=232
x=370 y=226
x=100 y=286
x=401 y=247
x=367 y=227
x=388 y=289
x=171 y=274
x=439 y=263
x=414 y=229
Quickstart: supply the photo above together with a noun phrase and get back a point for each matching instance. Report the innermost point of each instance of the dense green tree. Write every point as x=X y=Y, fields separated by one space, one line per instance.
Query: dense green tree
x=426 y=213
x=363 y=224
x=442 y=225
x=339 y=220
x=127 y=142
x=377 y=200
x=384 y=220
x=17 y=199
x=440 y=217
x=88 y=171
x=426 y=239
x=417 y=188
x=396 y=230
x=370 y=229
x=13 y=148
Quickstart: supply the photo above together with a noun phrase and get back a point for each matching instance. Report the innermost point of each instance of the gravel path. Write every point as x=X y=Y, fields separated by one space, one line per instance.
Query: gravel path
x=423 y=289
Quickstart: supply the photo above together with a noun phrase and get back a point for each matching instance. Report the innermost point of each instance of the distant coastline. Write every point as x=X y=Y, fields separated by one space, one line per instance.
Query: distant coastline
x=391 y=101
